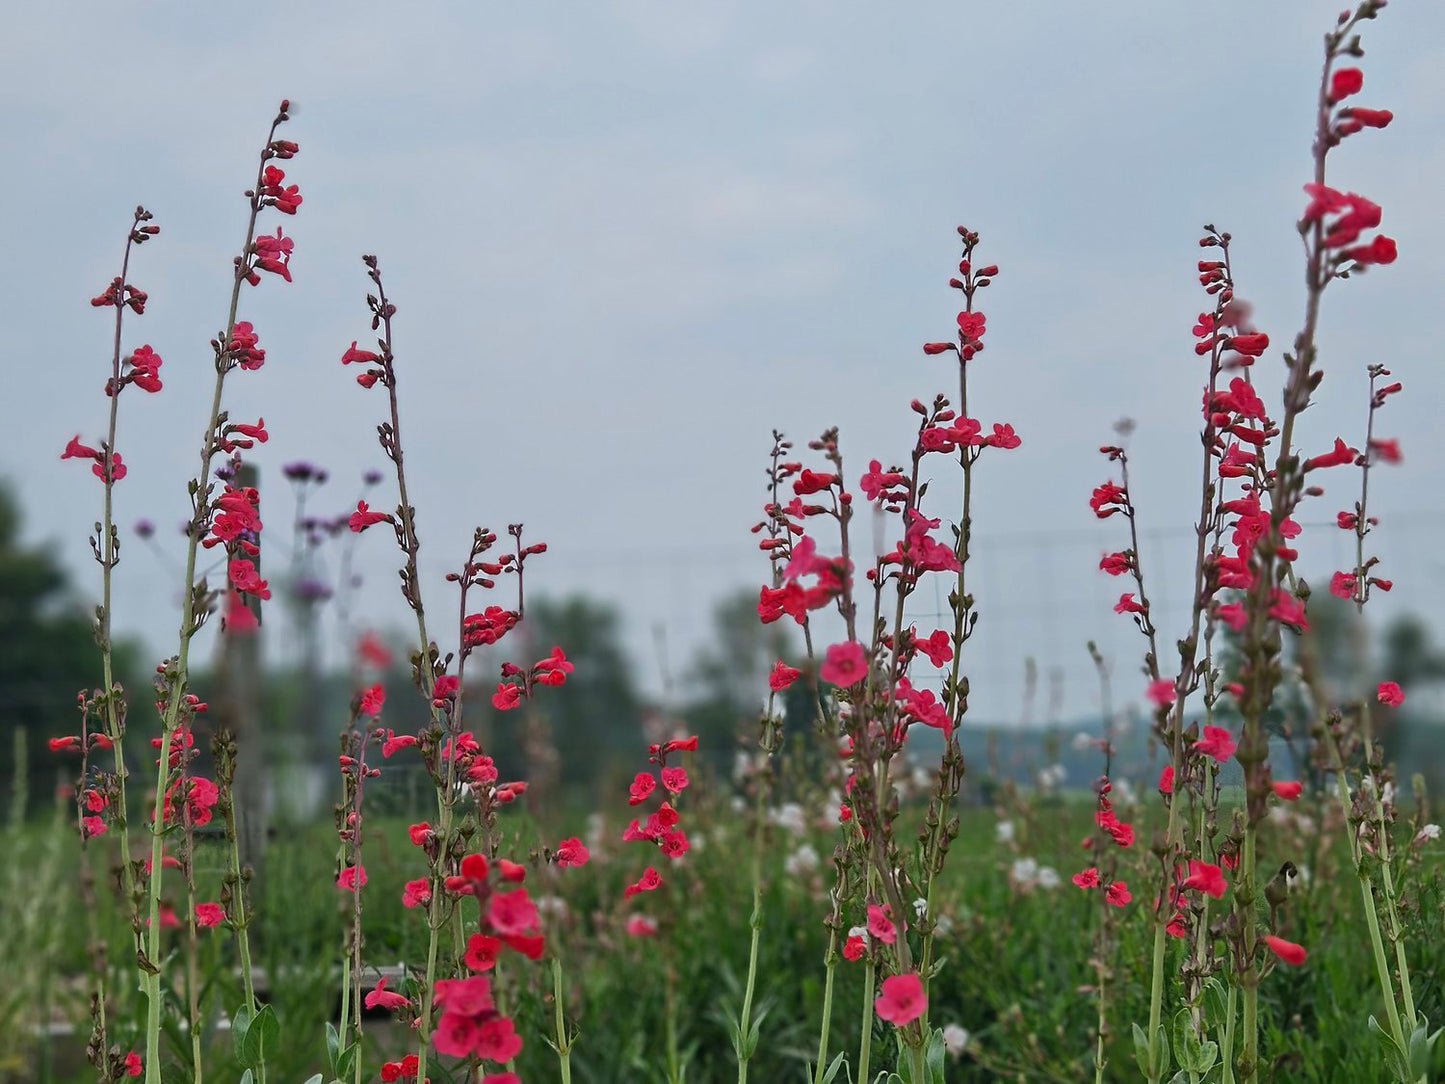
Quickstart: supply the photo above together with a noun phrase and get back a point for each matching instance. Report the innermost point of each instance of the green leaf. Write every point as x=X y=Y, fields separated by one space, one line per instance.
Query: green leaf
x=934 y=1056
x=248 y=1077
x=263 y=1034
x=1151 y=1057
x=240 y=1027
x=333 y=1047
x=1394 y=1056
x=314 y=1079
x=833 y=1068
x=1422 y=1045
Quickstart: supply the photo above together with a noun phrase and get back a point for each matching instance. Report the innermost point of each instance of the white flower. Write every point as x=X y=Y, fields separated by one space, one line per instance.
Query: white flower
x=1049 y=877
x=1082 y=742
x=922 y=778
x=1003 y=831
x=1024 y=871
x=955 y=1039
x=790 y=816
x=1430 y=831
x=803 y=860
x=920 y=907
x=1387 y=795
x=942 y=925
x=859 y=931
x=742 y=766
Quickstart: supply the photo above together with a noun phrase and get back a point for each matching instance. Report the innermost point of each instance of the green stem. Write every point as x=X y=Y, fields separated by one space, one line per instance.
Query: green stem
x=564 y=1045
x=866 y=1042
x=1249 y=980
x=745 y=1017
x=830 y=965
x=1226 y=1047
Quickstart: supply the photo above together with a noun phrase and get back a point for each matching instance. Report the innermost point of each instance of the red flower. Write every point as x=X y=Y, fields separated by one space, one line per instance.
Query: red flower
x=1217 y=743
x=640 y=926
x=1287 y=951
x=472 y=879
x=572 y=852
x=782 y=675
x=901 y=999
x=132 y=1063
x=387 y=999
x=419 y=833
x=854 y=947
x=1205 y=877
x=351 y=878
x=1128 y=604
x=1390 y=694
x=1344 y=82
x=880 y=926
x=1116 y=564
x=1118 y=894
x=649 y=881
x=1108 y=499
x=1381 y=250
x=1288 y=790
x=507 y=696
x=209 y=914
x=936 y=348
x=1088 y=878
x=416 y=893
x=1342 y=585
x=1161 y=692
x=394 y=742
x=1166 y=780
x=845 y=664
x=643 y=784
x=674 y=779
x=372 y=700
x=363 y=517
x=1003 y=436
x=365 y=357
x=512 y=912
x=482 y=951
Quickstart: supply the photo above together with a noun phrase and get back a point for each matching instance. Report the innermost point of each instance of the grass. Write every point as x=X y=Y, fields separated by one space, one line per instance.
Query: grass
x=1017 y=974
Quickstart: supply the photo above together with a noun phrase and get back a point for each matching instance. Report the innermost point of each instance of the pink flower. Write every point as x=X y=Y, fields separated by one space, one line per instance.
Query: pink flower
x=641 y=926
x=1166 y=780
x=643 y=784
x=1088 y=878
x=372 y=700
x=387 y=999
x=572 y=852
x=880 y=926
x=363 y=517
x=1116 y=564
x=209 y=914
x=674 y=780
x=1287 y=951
x=1127 y=604
x=1390 y=694
x=649 y=881
x=1161 y=692
x=1288 y=790
x=844 y=665
x=938 y=647
x=512 y=912
x=1217 y=743
x=416 y=893
x=782 y=675
x=1342 y=585
x=351 y=878
x=132 y=1063
x=1118 y=894
x=507 y=696
x=901 y=999
x=1205 y=877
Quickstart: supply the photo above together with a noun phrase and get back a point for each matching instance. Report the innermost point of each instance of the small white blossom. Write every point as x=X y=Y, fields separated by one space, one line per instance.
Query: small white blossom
x=1048 y=877
x=803 y=860
x=790 y=816
x=1003 y=831
x=1024 y=871
x=1430 y=831
x=955 y=1039
x=942 y=925
x=920 y=907
x=859 y=931
x=1081 y=742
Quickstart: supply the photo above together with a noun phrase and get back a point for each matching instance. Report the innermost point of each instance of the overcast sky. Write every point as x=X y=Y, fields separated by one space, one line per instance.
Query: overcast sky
x=629 y=239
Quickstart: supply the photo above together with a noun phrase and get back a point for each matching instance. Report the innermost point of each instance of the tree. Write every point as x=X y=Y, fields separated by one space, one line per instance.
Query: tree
x=47 y=650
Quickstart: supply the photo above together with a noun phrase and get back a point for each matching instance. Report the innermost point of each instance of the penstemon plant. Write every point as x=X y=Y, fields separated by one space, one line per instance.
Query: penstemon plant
x=1214 y=916
x=876 y=674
